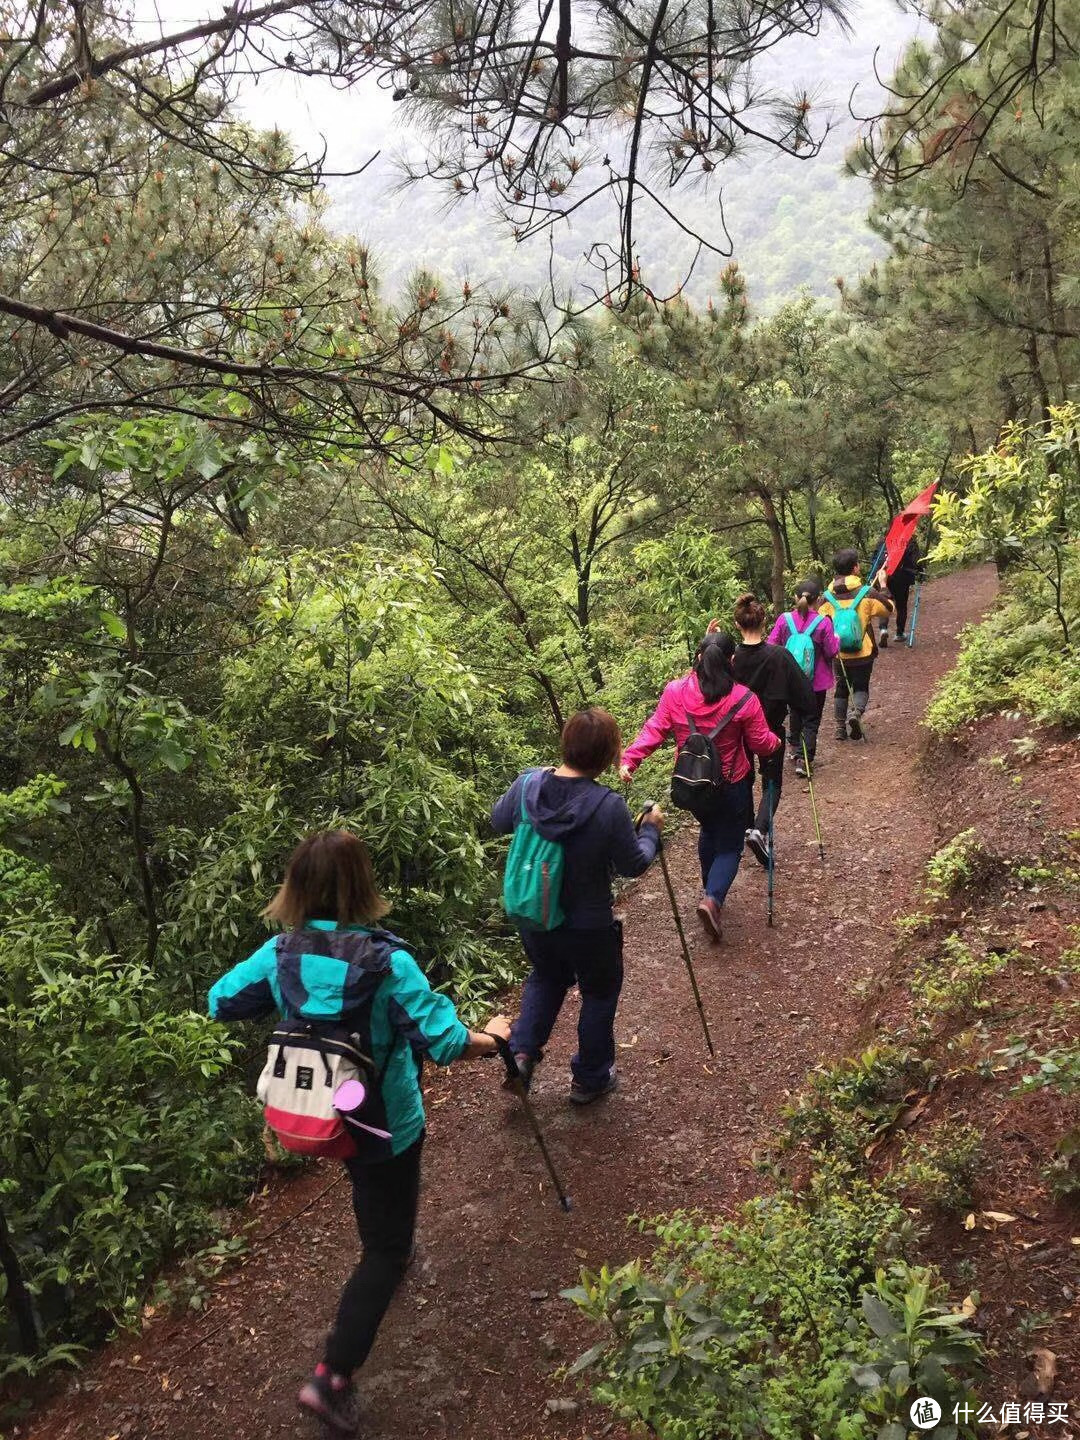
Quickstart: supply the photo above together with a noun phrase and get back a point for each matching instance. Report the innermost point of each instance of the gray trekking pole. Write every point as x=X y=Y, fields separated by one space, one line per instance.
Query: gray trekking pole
x=770 y=790
x=679 y=927
x=518 y=1086
x=813 y=801
x=914 y=615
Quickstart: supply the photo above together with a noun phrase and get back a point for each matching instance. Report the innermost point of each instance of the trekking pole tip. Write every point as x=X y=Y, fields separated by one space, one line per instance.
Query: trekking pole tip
x=566 y=1203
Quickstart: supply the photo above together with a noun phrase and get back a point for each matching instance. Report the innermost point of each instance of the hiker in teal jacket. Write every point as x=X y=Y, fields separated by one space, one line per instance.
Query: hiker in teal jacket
x=330 y=906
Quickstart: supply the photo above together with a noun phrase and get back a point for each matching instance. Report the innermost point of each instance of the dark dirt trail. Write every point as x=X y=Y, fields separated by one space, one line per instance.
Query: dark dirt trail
x=472 y=1341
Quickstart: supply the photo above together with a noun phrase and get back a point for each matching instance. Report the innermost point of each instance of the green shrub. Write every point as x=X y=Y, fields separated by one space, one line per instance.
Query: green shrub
x=938 y=1170
x=1058 y=1069
x=796 y=1320
x=952 y=982
x=847 y=1104
x=954 y=865
x=119 y=1135
x=1013 y=660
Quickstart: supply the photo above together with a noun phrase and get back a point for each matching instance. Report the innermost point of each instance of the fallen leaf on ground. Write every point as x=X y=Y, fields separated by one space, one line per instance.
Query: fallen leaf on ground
x=1043 y=1371
x=909 y=1117
x=999 y=1217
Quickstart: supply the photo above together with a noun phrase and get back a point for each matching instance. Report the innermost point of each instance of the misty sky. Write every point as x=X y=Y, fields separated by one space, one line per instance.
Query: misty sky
x=353 y=125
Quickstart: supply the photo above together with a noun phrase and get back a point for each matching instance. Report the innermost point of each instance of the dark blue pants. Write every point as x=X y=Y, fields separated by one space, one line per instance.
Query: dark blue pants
x=590 y=959
x=721 y=840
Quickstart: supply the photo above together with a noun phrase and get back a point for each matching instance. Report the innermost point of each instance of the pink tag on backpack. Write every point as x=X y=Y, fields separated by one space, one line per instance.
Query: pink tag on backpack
x=348 y=1098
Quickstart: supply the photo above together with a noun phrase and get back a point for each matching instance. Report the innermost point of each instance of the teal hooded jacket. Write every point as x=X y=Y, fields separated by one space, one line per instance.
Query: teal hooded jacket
x=408 y=1019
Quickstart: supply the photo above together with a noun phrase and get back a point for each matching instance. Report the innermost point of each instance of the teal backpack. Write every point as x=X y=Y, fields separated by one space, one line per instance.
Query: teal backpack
x=532 y=883
x=846 y=620
x=800 y=643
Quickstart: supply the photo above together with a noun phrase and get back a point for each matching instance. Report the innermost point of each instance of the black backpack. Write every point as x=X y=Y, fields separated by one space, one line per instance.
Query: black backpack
x=698 y=783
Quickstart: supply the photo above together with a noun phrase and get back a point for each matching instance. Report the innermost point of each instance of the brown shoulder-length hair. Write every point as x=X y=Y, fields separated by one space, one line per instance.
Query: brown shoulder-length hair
x=329 y=877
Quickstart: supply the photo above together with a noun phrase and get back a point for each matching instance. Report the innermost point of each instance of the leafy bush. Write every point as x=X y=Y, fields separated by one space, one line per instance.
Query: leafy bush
x=952 y=982
x=118 y=1133
x=954 y=865
x=847 y=1104
x=796 y=1320
x=938 y=1170
x=1014 y=660
x=1058 y=1069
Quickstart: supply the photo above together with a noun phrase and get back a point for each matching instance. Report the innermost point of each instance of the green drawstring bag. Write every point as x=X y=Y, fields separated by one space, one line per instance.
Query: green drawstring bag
x=532 y=882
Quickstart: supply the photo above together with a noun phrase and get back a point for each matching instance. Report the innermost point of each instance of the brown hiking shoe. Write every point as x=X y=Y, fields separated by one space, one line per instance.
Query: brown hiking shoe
x=711 y=916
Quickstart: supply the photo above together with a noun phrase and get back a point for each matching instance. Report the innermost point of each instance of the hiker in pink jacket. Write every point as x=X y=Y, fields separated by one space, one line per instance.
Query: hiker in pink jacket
x=708 y=694
x=803 y=617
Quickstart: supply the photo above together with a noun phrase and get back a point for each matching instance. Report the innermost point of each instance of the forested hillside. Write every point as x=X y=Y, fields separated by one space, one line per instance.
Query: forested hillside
x=788 y=222
x=285 y=547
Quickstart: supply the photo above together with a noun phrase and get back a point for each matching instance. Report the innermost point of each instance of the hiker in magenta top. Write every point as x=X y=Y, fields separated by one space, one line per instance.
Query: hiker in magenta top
x=803 y=615
x=708 y=694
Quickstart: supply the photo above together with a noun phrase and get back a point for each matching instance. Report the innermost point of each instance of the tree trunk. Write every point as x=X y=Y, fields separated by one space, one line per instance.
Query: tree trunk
x=811 y=526
x=583 y=616
x=19 y=1300
x=141 y=844
x=776 y=538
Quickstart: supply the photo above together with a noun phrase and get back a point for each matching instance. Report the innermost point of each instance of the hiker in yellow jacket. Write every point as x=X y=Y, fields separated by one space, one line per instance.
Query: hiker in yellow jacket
x=853 y=605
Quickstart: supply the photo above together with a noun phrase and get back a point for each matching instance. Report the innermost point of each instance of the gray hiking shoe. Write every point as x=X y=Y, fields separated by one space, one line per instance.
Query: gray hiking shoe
x=580 y=1096
x=330 y=1398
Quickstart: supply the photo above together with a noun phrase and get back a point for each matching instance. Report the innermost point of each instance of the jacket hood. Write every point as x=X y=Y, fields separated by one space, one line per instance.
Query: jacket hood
x=557 y=806
x=749 y=659
x=307 y=993
x=848 y=584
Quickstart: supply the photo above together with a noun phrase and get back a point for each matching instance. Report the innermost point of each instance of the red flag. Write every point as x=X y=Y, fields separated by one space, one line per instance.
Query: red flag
x=903 y=527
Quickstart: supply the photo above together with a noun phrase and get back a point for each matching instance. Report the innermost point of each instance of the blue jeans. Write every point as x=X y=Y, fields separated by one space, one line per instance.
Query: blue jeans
x=591 y=959
x=721 y=840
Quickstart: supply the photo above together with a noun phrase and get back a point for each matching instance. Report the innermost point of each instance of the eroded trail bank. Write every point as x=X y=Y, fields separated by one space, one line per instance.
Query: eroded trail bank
x=472 y=1341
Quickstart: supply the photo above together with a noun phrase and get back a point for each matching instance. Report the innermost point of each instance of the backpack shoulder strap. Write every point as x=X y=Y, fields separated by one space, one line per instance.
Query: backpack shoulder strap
x=831 y=598
x=730 y=714
x=860 y=595
x=693 y=727
x=525 y=785
x=814 y=623
x=789 y=617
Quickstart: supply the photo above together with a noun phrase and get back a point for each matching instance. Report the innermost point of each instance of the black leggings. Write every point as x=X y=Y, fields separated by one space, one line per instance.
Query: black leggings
x=772 y=779
x=386 y=1195
x=900 y=593
x=800 y=729
x=852 y=681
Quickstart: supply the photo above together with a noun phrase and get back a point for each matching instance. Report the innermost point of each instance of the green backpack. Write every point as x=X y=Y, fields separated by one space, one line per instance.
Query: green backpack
x=800 y=643
x=846 y=620
x=532 y=882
